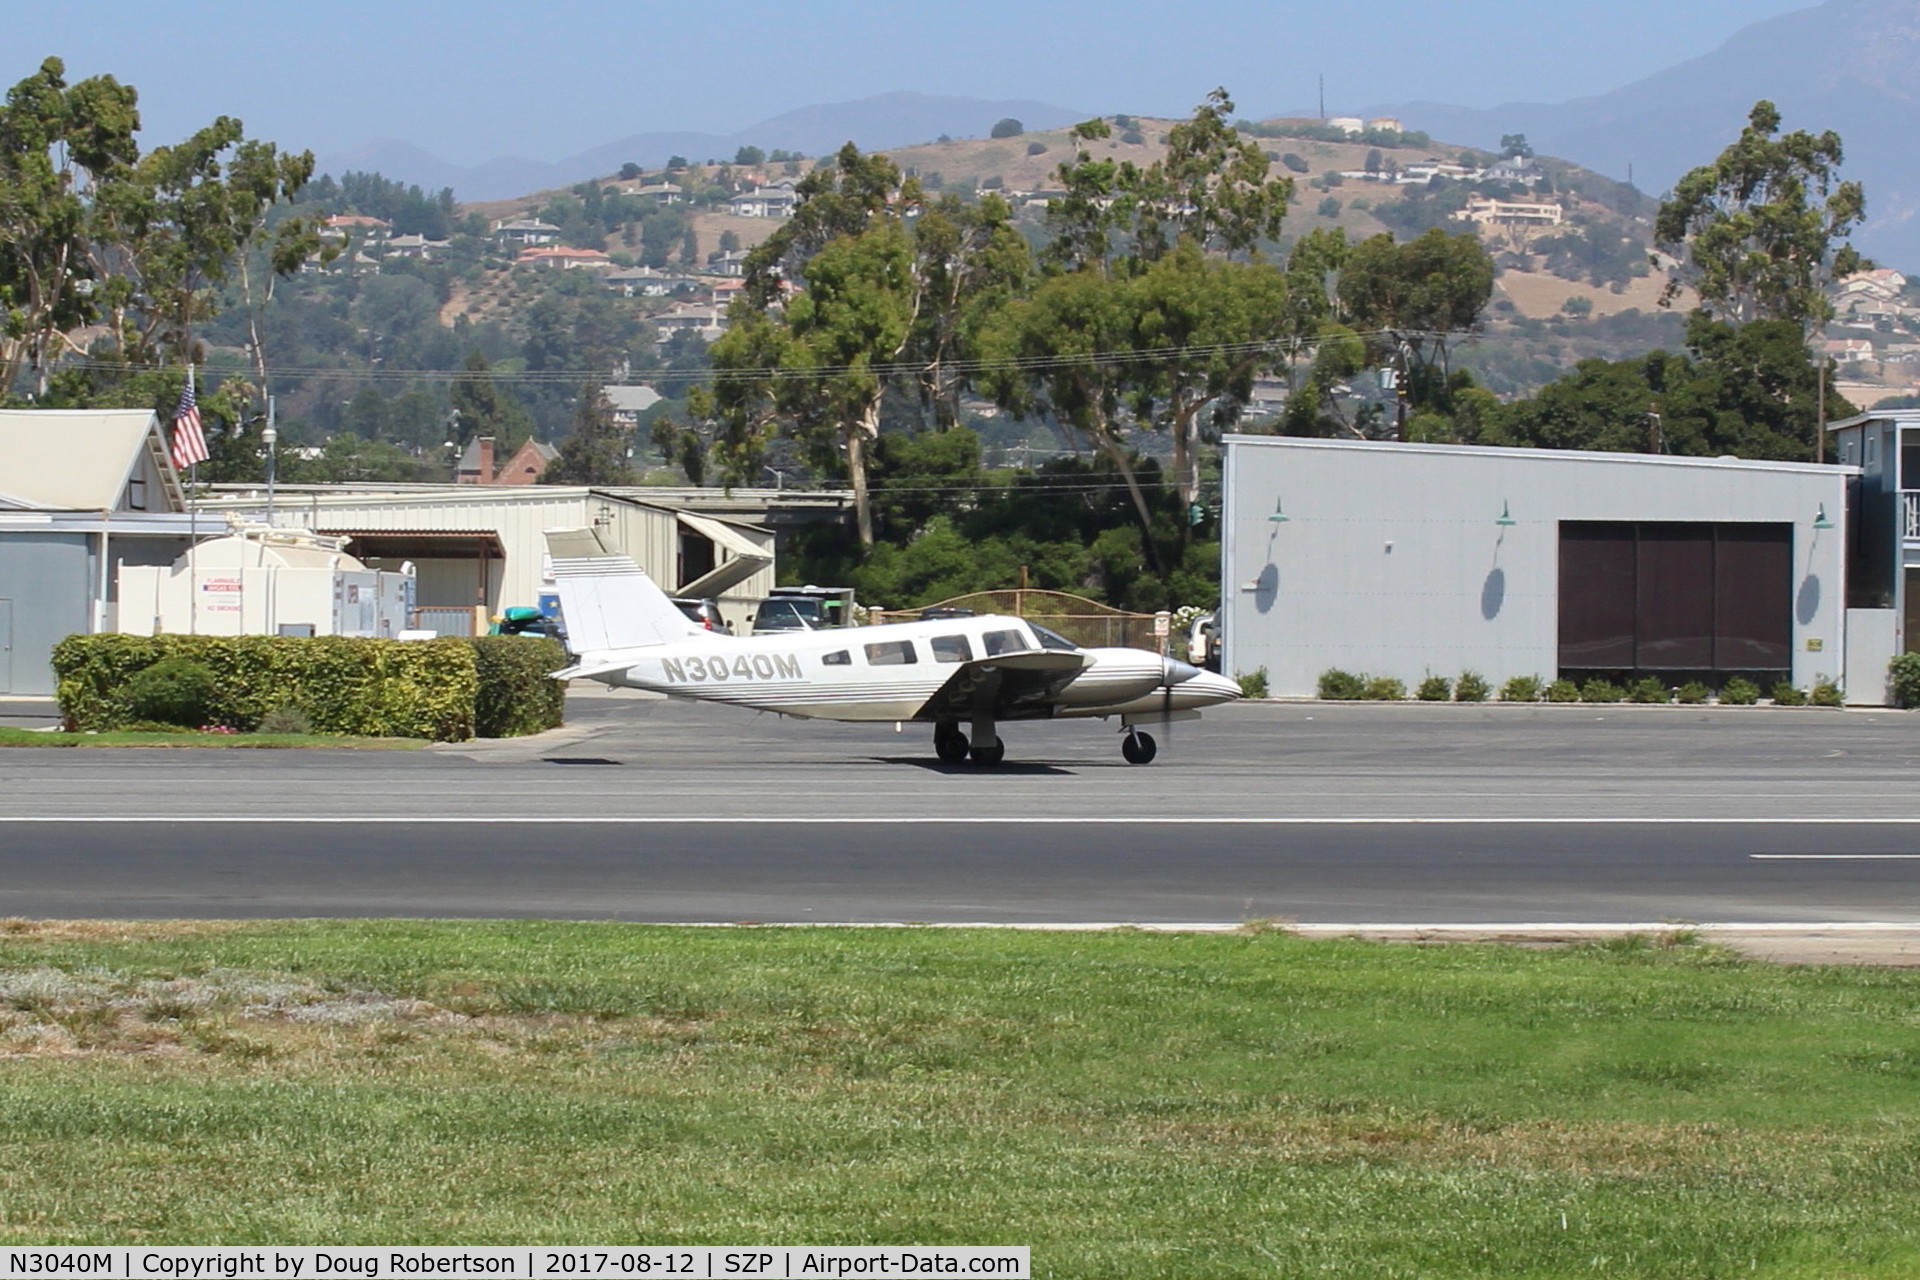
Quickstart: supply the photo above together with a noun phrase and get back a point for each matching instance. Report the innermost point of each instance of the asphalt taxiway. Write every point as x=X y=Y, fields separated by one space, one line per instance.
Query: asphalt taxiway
x=652 y=810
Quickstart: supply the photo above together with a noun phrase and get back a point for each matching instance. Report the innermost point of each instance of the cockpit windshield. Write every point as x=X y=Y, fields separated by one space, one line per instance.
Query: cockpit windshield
x=1049 y=640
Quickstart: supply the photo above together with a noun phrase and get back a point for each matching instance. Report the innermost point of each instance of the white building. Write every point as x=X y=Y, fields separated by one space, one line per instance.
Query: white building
x=259 y=581
x=479 y=549
x=1415 y=560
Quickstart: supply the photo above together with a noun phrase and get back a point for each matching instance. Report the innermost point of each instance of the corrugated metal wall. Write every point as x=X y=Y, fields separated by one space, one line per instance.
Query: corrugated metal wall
x=46 y=578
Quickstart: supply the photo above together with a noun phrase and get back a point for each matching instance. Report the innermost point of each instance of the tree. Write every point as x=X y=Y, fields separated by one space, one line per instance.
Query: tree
x=752 y=157
x=1515 y=146
x=1008 y=128
x=481 y=407
x=817 y=366
x=596 y=451
x=629 y=171
x=1760 y=232
x=1413 y=297
x=676 y=163
x=57 y=144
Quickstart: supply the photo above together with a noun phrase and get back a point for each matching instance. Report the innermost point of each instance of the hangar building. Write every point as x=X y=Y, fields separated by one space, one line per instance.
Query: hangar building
x=1411 y=560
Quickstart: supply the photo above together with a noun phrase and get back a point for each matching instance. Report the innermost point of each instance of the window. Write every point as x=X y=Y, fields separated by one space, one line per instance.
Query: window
x=1048 y=640
x=999 y=642
x=838 y=658
x=950 y=649
x=891 y=653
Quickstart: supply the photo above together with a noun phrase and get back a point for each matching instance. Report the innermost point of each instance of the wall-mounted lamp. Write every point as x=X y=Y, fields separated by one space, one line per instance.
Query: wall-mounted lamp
x=1820 y=520
x=1279 y=516
x=1506 y=516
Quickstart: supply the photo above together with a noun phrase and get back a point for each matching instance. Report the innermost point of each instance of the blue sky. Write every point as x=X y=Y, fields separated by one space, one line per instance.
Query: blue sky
x=470 y=81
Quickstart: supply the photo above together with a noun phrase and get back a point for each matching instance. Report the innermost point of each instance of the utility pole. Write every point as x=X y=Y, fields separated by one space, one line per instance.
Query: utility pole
x=1323 y=99
x=271 y=438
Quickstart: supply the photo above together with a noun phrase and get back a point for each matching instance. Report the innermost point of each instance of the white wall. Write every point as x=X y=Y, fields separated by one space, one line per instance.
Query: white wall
x=1391 y=562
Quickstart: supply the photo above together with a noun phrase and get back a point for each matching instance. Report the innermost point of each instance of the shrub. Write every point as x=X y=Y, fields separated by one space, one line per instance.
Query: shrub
x=1384 y=689
x=1598 y=690
x=373 y=688
x=514 y=695
x=1563 y=691
x=1341 y=686
x=1036 y=148
x=1649 y=689
x=1471 y=687
x=175 y=691
x=1739 y=693
x=1903 y=680
x=1434 y=689
x=1785 y=695
x=1826 y=693
x=1520 y=689
x=1692 y=693
x=284 y=720
x=1253 y=684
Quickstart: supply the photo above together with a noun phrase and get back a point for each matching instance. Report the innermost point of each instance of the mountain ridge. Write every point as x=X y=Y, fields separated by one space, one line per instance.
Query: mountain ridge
x=878 y=122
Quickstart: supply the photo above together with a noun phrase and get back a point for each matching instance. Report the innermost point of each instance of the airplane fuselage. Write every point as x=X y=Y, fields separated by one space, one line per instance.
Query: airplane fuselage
x=890 y=672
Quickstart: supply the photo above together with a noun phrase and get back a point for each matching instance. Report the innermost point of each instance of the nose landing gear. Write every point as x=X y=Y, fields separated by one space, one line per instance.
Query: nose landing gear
x=1138 y=747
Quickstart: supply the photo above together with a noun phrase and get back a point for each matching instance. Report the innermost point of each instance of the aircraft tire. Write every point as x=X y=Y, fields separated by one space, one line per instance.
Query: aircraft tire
x=951 y=746
x=1139 y=748
x=989 y=755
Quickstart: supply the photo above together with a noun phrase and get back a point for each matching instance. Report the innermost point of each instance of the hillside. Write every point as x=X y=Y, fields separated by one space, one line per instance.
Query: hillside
x=1594 y=261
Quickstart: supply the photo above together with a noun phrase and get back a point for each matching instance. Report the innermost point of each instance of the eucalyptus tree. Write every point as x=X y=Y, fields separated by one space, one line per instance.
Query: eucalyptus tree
x=1759 y=233
x=864 y=288
x=58 y=143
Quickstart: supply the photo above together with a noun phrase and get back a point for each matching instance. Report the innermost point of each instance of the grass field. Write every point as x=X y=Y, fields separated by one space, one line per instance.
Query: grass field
x=1129 y=1104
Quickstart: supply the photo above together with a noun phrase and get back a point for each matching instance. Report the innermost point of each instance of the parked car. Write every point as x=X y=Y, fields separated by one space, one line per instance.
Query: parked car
x=704 y=612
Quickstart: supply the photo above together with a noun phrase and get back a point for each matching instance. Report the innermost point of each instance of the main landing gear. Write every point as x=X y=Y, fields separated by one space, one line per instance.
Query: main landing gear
x=1138 y=747
x=951 y=745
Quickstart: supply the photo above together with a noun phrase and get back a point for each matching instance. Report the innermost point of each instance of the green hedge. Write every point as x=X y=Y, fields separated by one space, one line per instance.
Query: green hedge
x=515 y=696
x=372 y=688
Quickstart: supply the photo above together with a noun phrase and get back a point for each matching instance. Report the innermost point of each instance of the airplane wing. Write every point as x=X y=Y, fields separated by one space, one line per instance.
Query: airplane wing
x=1004 y=685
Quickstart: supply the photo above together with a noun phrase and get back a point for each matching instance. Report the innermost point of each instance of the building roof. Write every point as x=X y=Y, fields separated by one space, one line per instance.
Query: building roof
x=78 y=459
x=631 y=399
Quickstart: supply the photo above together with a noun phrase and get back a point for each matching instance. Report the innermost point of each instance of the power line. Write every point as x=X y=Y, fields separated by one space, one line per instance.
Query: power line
x=893 y=369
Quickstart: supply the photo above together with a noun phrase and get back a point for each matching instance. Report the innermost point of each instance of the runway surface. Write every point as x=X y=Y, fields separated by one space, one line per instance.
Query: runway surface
x=649 y=810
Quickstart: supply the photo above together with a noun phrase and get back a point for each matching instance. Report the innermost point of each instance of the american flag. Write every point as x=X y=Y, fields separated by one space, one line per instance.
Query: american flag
x=189 y=443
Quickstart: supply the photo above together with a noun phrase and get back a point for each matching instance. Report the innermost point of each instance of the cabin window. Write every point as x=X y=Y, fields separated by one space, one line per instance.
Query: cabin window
x=891 y=653
x=838 y=658
x=999 y=642
x=951 y=649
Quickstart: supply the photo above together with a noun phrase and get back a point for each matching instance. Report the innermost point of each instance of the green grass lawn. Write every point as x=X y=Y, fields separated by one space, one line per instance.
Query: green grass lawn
x=136 y=738
x=1128 y=1104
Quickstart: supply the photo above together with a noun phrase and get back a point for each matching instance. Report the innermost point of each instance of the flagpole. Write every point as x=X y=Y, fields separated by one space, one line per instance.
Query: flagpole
x=193 y=536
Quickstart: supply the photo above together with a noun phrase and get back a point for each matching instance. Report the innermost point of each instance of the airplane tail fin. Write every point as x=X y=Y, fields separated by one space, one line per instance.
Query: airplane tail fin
x=607 y=602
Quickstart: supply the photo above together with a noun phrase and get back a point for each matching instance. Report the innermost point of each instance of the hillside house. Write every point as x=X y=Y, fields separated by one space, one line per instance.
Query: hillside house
x=708 y=322
x=1348 y=124
x=341 y=225
x=764 y=202
x=1511 y=213
x=1384 y=124
x=563 y=256
x=629 y=402
x=646 y=282
x=727 y=262
x=521 y=232
x=1516 y=169
x=660 y=193
x=416 y=246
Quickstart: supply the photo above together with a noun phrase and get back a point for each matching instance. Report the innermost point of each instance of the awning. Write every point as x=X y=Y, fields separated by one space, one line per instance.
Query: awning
x=422 y=544
x=744 y=557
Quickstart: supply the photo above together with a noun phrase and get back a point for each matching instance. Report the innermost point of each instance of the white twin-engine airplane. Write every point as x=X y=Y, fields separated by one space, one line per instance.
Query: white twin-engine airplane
x=972 y=671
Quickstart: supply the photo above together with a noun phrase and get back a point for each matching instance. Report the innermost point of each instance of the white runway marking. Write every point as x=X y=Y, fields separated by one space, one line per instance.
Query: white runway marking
x=1835 y=857
x=521 y=819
